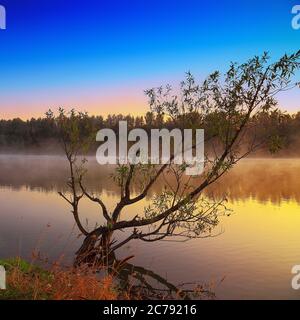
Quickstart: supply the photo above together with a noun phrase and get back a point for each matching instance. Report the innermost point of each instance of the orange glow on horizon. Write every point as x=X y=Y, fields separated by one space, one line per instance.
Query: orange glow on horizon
x=97 y=102
x=127 y=104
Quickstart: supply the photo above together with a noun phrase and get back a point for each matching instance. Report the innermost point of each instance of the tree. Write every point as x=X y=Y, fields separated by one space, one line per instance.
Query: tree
x=227 y=108
x=76 y=135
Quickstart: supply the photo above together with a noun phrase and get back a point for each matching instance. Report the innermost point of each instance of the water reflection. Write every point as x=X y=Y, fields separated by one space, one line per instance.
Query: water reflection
x=260 y=243
x=264 y=180
x=146 y=284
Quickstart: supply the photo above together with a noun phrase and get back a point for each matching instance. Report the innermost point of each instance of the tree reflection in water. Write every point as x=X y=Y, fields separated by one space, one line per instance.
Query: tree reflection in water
x=146 y=284
x=138 y=282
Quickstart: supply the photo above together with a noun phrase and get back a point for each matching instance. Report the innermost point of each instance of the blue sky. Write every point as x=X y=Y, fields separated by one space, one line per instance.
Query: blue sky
x=100 y=55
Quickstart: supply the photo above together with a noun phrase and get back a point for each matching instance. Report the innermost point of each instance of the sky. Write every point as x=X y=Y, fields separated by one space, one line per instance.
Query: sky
x=99 y=56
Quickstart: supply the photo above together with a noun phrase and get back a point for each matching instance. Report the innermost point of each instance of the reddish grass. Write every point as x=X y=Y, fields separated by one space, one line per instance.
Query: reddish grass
x=58 y=284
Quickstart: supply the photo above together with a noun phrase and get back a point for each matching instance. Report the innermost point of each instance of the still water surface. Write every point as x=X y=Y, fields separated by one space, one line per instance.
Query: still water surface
x=253 y=256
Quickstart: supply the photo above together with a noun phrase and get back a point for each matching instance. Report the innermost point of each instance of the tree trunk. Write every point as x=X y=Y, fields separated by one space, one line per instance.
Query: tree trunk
x=94 y=250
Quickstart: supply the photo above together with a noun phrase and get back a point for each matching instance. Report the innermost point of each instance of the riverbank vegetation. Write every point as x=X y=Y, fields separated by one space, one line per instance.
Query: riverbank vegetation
x=123 y=281
x=27 y=281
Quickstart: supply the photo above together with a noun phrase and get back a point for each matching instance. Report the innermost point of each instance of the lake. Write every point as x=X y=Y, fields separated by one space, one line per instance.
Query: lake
x=251 y=258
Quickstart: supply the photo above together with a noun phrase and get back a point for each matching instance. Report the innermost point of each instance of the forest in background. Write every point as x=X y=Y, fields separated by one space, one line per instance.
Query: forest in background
x=41 y=135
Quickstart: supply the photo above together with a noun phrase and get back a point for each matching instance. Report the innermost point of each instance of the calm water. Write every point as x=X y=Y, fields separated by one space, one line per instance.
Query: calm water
x=253 y=256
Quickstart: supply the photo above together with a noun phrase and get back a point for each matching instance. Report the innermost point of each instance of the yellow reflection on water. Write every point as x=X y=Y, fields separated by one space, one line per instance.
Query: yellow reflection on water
x=259 y=243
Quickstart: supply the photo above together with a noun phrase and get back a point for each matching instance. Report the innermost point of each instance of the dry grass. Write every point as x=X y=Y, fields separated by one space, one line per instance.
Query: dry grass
x=28 y=282
x=74 y=285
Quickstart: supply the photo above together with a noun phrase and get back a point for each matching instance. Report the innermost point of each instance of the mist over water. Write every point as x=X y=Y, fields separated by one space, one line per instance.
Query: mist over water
x=260 y=179
x=253 y=253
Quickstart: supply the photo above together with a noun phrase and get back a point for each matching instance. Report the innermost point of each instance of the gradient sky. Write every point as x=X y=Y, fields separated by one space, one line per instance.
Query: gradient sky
x=99 y=56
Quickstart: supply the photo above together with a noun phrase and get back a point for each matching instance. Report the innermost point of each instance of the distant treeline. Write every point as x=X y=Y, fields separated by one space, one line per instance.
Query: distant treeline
x=42 y=134
x=17 y=133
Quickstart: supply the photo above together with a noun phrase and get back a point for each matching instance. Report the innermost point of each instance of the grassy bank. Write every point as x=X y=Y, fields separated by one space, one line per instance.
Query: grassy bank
x=26 y=281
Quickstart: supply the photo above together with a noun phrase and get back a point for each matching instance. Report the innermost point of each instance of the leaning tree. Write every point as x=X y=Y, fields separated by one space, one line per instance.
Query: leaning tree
x=226 y=106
